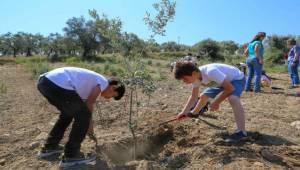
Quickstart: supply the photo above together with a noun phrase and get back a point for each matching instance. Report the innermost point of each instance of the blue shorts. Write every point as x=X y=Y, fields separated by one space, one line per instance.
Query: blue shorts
x=238 y=85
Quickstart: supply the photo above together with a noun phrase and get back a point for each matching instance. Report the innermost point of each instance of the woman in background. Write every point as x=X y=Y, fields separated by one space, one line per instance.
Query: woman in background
x=255 y=52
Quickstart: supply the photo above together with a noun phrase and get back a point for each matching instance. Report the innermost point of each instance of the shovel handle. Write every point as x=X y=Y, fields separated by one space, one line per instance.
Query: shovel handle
x=171 y=120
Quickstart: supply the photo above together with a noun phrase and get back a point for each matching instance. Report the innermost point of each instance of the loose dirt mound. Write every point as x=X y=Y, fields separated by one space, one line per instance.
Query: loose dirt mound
x=26 y=117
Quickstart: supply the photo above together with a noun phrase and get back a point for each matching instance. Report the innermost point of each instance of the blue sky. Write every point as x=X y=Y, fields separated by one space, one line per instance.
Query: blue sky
x=195 y=20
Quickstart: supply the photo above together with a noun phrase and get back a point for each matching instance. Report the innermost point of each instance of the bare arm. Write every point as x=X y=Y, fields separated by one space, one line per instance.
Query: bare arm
x=257 y=54
x=90 y=104
x=246 y=52
x=191 y=101
x=200 y=104
x=296 y=57
x=92 y=98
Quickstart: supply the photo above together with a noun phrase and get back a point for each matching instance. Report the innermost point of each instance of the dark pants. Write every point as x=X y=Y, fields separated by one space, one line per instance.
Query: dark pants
x=71 y=107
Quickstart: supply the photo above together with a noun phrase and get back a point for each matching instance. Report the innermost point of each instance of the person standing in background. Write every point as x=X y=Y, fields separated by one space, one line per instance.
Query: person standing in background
x=255 y=52
x=293 y=62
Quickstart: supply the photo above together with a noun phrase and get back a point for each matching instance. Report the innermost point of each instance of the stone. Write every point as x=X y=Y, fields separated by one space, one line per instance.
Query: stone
x=164 y=107
x=296 y=124
x=132 y=164
x=34 y=145
x=41 y=136
x=258 y=164
x=268 y=155
x=2 y=162
x=146 y=165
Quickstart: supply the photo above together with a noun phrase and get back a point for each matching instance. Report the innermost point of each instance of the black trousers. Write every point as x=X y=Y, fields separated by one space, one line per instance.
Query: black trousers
x=71 y=106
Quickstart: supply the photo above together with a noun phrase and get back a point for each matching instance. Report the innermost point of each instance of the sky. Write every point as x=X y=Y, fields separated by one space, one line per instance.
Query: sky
x=195 y=20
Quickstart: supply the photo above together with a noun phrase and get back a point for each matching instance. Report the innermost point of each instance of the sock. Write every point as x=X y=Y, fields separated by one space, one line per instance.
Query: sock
x=244 y=132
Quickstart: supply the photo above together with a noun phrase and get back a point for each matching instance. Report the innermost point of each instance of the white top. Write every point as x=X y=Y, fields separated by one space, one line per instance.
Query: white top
x=81 y=80
x=217 y=73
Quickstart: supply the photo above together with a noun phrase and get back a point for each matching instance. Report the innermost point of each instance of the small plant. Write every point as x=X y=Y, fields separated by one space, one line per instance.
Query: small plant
x=162 y=76
x=37 y=68
x=3 y=88
x=149 y=62
x=136 y=74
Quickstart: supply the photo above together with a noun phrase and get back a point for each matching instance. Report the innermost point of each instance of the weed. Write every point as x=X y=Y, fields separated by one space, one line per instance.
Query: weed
x=3 y=88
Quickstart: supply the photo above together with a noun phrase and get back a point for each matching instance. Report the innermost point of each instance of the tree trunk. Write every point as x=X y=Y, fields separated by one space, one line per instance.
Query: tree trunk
x=86 y=53
x=28 y=52
x=15 y=53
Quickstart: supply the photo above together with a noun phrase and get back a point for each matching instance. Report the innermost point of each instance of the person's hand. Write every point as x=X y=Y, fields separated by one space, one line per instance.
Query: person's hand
x=181 y=115
x=261 y=61
x=294 y=63
x=214 y=106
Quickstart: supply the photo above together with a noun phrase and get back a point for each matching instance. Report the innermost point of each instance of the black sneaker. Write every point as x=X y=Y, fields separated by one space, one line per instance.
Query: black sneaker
x=49 y=151
x=79 y=159
x=237 y=137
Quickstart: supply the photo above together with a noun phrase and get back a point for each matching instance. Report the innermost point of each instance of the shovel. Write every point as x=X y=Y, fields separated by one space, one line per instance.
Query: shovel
x=190 y=115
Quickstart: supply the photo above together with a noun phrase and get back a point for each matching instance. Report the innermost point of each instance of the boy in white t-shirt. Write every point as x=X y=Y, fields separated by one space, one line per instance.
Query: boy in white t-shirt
x=223 y=81
x=73 y=91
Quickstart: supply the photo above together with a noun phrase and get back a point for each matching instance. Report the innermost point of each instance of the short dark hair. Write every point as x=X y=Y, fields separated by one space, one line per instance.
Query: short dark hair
x=184 y=68
x=291 y=41
x=120 y=87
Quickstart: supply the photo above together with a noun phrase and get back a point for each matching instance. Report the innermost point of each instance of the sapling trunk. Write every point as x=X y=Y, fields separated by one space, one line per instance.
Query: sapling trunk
x=131 y=124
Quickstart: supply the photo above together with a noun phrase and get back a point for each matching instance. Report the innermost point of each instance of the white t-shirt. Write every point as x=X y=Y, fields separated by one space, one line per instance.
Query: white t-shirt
x=81 y=80
x=214 y=74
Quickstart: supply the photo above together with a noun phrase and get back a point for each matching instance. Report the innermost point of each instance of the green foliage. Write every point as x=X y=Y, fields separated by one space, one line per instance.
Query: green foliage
x=274 y=56
x=149 y=62
x=234 y=59
x=170 y=47
x=72 y=59
x=208 y=49
x=161 y=74
x=278 y=42
x=165 y=13
x=273 y=68
x=86 y=32
x=22 y=60
x=37 y=68
x=3 y=88
x=228 y=47
x=168 y=55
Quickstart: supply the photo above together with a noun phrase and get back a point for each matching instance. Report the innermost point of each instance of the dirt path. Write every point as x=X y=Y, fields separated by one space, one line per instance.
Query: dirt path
x=25 y=119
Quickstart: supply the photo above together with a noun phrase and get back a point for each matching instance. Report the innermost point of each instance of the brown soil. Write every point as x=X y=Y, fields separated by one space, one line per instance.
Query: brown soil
x=26 y=117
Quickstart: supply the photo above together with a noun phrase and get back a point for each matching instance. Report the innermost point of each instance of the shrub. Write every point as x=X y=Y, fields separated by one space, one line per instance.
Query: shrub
x=73 y=59
x=274 y=56
x=22 y=60
x=149 y=62
x=37 y=68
